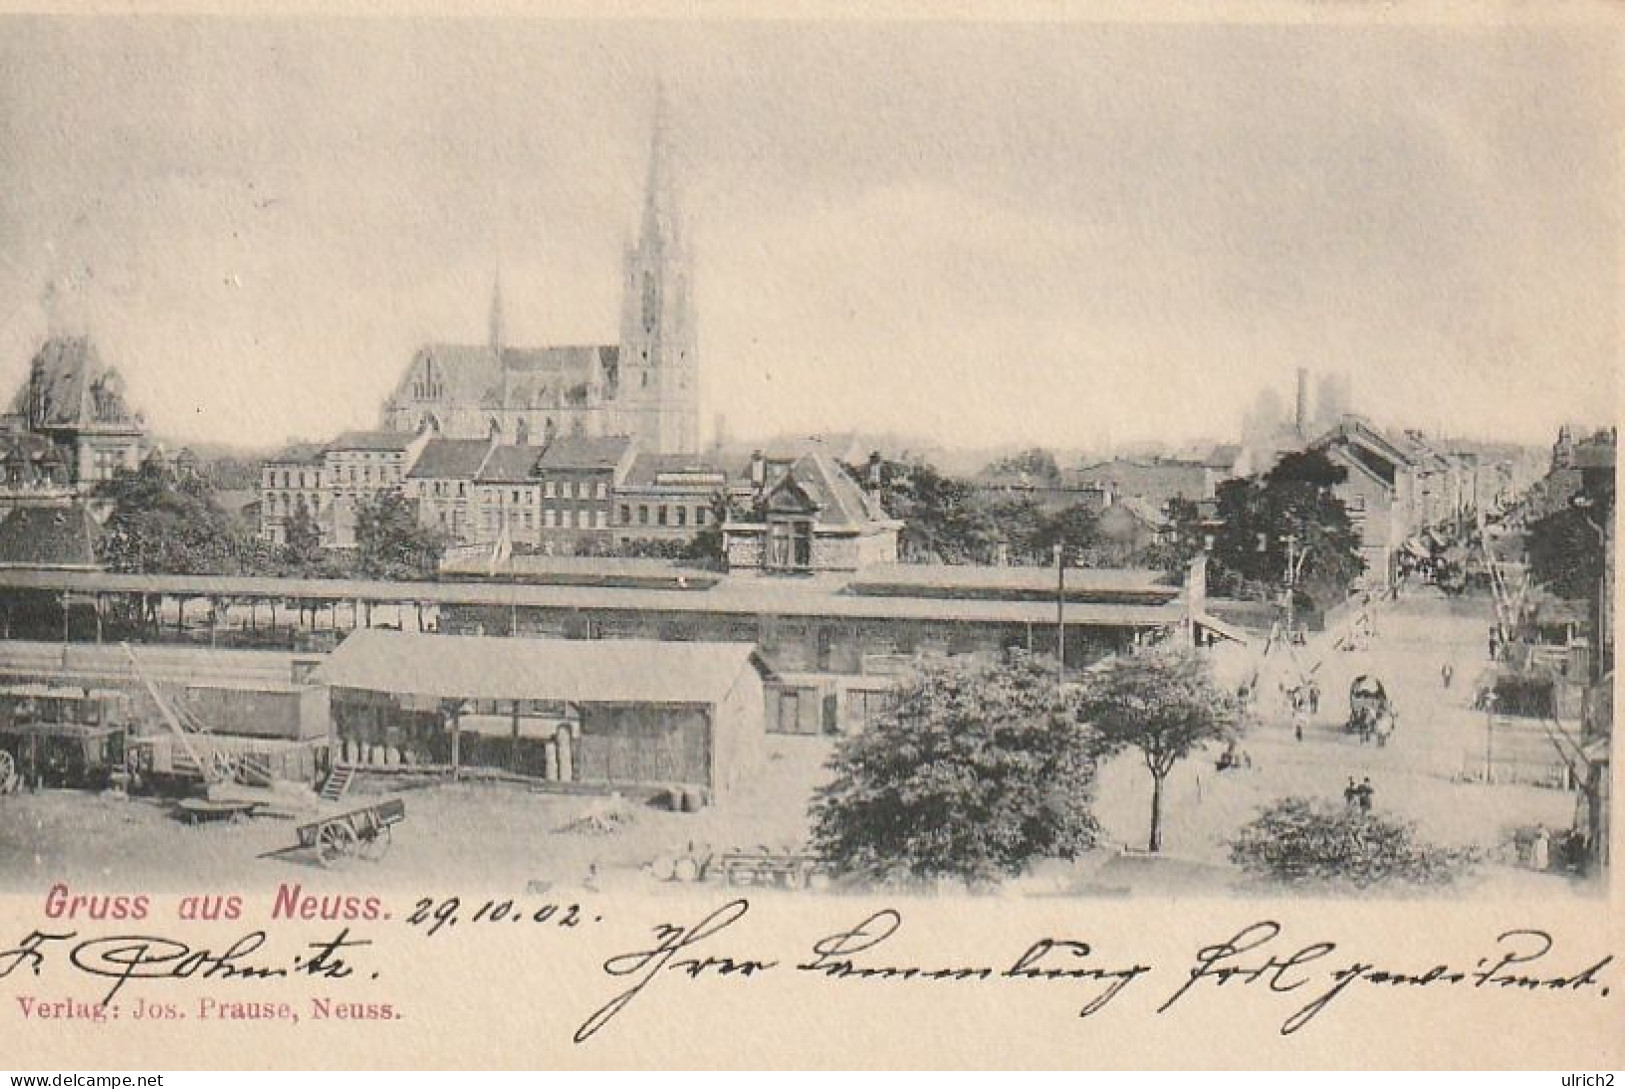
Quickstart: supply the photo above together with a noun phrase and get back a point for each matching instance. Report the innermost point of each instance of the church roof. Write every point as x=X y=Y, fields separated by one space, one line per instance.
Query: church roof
x=450 y=459
x=468 y=374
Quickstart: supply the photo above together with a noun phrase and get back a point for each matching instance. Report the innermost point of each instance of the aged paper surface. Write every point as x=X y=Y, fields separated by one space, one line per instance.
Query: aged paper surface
x=659 y=245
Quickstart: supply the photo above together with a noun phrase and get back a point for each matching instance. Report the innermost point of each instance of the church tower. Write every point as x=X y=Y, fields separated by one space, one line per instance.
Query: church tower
x=659 y=382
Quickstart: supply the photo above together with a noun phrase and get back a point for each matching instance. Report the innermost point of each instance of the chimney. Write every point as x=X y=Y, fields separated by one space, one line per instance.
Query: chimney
x=758 y=471
x=874 y=471
x=1300 y=419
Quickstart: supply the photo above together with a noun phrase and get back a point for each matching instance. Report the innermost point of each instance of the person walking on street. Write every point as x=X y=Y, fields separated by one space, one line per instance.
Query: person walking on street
x=1351 y=794
x=1364 y=792
x=1447 y=673
x=1314 y=698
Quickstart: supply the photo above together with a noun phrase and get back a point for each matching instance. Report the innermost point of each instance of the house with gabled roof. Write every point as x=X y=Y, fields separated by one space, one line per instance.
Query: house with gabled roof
x=77 y=402
x=810 y=516
x=1378 y=492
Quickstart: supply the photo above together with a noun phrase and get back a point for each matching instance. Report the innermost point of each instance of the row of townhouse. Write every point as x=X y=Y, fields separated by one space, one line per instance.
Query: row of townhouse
x=584 y=495
x=577 y=494
x=1401 y=485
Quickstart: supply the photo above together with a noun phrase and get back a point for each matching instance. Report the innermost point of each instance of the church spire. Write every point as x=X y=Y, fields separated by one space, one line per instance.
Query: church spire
x=659 y=212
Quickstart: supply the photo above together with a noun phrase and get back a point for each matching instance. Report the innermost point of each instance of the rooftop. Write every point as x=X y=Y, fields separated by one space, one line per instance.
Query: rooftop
x=450 y=459
x=584 y=452
x=579 y=671
x=372 y=440
x=49 y=537
x=509 y=465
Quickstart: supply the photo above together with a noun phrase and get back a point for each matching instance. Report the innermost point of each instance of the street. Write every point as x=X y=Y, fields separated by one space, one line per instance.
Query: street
x=1418 y=776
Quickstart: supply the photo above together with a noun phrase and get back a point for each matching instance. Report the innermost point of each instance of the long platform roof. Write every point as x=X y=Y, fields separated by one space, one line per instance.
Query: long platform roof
x=739 y=596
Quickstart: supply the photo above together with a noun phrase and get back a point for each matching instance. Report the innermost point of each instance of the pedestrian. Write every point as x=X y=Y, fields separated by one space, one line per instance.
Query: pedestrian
x=1447 y=672
x=1351 y=794
x=1540 y=852
x=1314 y=698
x=1363 y=792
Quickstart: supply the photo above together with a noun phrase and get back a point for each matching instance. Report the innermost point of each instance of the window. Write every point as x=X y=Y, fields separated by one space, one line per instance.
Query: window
x=602 y=519
x=643 y=514
x=527 y=519
x=626 y=514
x=661 y=514
x=547 y=489
x=682 y=516
x=701 y=516
x=569 y=489
x=550 y=518
x=602 y=491
x=516 y=495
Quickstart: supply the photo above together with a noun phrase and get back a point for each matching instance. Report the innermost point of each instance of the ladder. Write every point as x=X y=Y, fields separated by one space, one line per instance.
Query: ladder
x=338 y=781
x=187 y=727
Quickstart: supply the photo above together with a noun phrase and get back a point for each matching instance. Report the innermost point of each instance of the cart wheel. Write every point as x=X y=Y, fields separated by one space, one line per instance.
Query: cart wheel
x=376 y=846
x=8 y=772
x=333 y=842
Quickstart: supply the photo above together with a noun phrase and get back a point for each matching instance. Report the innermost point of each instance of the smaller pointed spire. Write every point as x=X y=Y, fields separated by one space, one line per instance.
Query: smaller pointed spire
x=499 y=332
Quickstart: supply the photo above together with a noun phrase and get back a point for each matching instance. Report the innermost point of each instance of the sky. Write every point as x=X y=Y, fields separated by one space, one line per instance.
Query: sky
x=975 y=233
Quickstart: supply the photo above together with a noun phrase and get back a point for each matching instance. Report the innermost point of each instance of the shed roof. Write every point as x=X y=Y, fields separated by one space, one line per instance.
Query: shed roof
x=579 y=671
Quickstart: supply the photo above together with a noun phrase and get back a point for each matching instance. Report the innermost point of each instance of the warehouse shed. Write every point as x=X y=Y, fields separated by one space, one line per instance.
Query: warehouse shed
x=607 y=712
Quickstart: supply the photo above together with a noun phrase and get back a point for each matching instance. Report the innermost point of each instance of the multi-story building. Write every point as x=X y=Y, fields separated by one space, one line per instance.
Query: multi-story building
x=508 y=497
x=443 y=484
x=75 y=402
x=667 y=498
x=646 y=387
x=294 y=477
x=1378 y=493
x=579 y=479
x=360 y=465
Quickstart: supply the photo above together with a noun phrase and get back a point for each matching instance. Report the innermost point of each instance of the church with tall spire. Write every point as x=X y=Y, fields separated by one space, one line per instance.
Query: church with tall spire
x=646 y=387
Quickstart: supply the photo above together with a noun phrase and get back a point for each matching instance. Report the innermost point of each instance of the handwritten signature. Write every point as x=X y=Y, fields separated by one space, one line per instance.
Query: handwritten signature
x=123 y=958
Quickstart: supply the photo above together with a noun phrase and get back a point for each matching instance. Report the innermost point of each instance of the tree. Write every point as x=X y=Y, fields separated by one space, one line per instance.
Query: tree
x=1185 y=539
x=390 y=543
x=1037 y=464
x=302 y=547
x=1292 y=512
x=1565 y=553
x=1074 y=528
x=943 y=518
x=1163 y=703
x=1303 y=841
x=977 y=771
x=161 y=525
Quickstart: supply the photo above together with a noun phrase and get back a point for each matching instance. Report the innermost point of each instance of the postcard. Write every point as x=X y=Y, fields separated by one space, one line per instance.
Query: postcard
x=810 y=538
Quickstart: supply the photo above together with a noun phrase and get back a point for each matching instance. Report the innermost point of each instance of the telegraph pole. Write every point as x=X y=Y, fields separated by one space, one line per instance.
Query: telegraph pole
x=1060 y=615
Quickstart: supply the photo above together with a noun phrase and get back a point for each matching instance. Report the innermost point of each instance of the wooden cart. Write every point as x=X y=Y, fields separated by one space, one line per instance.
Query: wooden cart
x=363 y=832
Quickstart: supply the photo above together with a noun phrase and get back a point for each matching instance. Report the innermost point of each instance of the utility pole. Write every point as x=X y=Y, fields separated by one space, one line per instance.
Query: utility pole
x=1489 y=737
x=1060 y=615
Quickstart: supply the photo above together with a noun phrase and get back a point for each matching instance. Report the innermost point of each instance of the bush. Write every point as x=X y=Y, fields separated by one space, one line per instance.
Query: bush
x=1303 y=841
x=975 y=773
